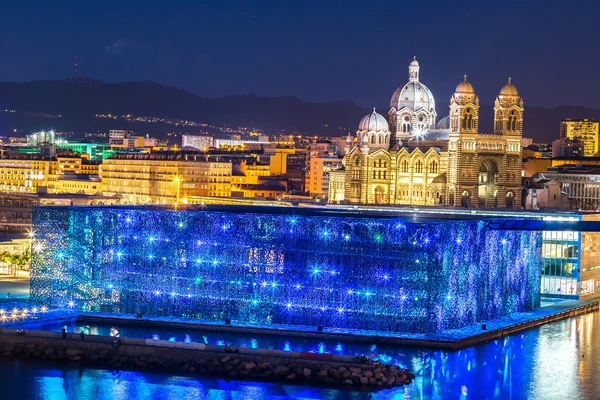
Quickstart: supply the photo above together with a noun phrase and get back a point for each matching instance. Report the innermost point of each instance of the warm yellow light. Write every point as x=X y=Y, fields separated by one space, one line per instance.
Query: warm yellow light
x=44 y=309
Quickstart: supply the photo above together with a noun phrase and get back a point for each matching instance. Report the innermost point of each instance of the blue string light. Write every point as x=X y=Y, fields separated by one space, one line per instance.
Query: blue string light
x=394 y=275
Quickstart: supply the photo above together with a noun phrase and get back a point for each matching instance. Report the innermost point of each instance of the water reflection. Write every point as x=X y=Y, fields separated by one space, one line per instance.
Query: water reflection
x=556 y=361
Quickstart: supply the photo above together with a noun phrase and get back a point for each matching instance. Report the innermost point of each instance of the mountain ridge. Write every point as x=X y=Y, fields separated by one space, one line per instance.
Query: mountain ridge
x=78 y=100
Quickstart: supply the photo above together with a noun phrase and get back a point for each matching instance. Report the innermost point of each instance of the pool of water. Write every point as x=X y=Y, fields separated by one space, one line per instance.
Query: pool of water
x=555 y=361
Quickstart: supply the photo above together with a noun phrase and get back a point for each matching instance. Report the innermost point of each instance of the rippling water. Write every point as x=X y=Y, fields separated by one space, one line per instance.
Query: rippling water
x=556 y=361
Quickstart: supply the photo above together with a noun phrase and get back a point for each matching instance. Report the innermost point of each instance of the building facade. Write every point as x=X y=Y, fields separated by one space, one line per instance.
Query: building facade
x=165 y=178
x=257 y=266
x=413 y=160
x=583 y=129
x=197 y=142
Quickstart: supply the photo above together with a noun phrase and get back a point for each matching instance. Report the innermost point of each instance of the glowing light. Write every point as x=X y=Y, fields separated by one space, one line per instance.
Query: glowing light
x=71 y=304
x=286 y=346
x=38 y=247
x=274 y=277
x=504 y=241
x=254 y=343
x=44 y=308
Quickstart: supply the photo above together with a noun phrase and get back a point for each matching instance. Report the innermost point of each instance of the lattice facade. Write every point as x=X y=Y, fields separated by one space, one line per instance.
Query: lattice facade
x=284 y=266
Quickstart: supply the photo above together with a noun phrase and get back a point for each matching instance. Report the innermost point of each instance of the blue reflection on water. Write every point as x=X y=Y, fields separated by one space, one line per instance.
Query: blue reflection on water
x=556 y=361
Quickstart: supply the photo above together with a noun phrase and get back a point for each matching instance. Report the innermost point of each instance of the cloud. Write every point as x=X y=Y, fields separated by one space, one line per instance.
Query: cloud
x=118 y=47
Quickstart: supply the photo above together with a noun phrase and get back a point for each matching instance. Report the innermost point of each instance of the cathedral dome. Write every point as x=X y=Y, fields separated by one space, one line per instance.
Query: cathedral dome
x=443 y=123
x=465 y=87
x=509 y=89
x=373 y=122
x=414 y=95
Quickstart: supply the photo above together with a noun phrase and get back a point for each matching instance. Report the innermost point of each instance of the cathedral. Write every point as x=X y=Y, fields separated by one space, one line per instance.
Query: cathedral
x=411 y=158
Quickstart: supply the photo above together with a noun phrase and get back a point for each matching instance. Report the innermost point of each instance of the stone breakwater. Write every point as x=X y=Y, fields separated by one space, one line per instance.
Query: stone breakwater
x=232 y=365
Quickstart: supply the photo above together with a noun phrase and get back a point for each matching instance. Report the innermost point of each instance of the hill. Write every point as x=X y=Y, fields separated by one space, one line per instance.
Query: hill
x=71 y=105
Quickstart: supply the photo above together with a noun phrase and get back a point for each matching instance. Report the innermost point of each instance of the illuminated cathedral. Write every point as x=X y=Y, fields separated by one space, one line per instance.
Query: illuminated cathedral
x=411 y=158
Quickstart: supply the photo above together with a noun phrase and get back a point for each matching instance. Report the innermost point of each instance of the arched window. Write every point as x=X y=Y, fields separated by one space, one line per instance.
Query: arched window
x=404 y=166
x=510 y=199
x=373 y=139
x=418 y=167
x=433 y=167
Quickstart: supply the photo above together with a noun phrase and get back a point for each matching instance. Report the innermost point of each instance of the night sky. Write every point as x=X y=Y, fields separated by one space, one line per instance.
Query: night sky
x=316 y=50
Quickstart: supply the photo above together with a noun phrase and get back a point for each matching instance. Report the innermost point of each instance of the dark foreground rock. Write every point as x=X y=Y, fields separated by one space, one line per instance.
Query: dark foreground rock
x=241 y=366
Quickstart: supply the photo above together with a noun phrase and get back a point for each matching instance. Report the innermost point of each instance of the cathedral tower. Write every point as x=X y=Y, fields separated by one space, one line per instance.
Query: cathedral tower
x=508 y=111
x=464 y=109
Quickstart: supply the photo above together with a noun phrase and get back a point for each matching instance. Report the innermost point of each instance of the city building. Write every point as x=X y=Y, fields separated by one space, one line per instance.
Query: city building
x=336 y=185
x=296 y=172
x=165 y=177
x=16 y=208
x=52 y=173
x=41 y=137
x=116 y=137
x=579 y=183
x=416 y=160
x=585 y=130
x=537 y=150
x=320 y=167
x=96 y=151
x=257 y=265
x=202 y=143
x=545 y=194
x=568 y=148
x=238 y=144
x=78 y=183
x=133 y=142
x=278 y=160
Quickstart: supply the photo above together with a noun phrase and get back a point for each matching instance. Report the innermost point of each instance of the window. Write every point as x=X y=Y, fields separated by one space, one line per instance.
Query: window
x=404 y=166
x=418 y=167
x=433 y=167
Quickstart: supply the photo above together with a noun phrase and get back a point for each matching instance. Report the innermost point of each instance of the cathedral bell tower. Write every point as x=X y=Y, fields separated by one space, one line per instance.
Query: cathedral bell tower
x=464 y=109
x=508 y=111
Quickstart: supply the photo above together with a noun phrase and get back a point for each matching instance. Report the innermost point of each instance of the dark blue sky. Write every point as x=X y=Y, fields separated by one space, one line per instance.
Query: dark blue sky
x=317 y=50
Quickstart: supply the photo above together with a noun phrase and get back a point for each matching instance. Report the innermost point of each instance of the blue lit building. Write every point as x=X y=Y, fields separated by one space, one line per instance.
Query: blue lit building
x=282 y=265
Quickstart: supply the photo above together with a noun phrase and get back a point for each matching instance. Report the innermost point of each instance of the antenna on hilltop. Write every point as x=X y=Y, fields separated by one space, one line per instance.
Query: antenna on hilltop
x=75 y=66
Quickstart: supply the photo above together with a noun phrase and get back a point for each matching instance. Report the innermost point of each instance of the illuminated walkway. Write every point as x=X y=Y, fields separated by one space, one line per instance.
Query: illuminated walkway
x=450 y=339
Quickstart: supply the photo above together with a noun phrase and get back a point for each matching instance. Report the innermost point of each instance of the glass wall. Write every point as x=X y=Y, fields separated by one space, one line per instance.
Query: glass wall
x=560 y=260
